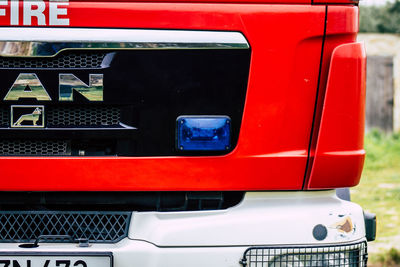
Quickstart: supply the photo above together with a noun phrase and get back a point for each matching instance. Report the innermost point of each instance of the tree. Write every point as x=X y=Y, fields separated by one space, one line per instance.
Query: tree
x=382 y=19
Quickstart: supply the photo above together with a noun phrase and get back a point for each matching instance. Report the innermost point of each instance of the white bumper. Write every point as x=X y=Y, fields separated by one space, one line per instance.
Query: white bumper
x=261 y=218
x=220 y=238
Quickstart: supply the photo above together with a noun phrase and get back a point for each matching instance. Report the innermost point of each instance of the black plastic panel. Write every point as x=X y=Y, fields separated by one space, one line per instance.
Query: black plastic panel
x=123 y=201
x=151 y=89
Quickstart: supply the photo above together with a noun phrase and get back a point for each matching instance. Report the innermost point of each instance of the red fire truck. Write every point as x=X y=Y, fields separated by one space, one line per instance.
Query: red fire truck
x=181 y=133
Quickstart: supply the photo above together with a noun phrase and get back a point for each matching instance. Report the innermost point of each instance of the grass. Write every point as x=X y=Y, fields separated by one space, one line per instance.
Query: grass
x=379 y=192
x=388 y=258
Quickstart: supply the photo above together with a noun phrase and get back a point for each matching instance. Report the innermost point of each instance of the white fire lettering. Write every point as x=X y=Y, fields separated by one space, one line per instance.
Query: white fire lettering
x=57 y=10
x=37 y=12
x=14 y=17
x=2 y=10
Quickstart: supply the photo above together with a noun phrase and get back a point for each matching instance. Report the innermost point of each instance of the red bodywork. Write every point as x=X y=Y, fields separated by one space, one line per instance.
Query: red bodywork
x=303 y=121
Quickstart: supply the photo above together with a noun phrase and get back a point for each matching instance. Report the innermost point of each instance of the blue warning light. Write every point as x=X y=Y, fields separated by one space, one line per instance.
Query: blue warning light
x=203 y=133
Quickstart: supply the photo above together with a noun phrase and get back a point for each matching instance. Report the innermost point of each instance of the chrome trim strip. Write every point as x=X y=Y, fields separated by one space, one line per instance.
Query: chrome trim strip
x=34 y=42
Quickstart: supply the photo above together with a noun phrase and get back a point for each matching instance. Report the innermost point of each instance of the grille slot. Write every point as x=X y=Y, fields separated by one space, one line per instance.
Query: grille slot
x=34 y=148
x=4 y=117
x=83 y=116
x=71 y=60
x=353 y=255
x=97 y=227
x=121 y=201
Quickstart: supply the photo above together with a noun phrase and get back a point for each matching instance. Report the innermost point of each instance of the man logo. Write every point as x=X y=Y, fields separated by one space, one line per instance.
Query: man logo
x=28 y=85
x=27 y=116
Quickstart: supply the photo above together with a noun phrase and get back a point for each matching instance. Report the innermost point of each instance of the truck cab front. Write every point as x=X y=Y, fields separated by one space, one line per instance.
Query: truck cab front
x=181 y=133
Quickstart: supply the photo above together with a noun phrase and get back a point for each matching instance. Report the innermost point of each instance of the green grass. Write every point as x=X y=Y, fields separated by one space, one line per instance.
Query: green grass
x=388 y=258
x=379 y=190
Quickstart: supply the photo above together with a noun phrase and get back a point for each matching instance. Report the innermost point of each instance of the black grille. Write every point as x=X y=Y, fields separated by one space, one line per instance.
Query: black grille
x=354 y=255
x=97 y=227
x=4 y=117
x=34 y=148
x=72 y=60
x=83 y=116
x=121 y=201
x=143 y=94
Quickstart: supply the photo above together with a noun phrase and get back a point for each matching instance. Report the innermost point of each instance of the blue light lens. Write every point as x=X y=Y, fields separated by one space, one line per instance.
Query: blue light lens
x=207 y=133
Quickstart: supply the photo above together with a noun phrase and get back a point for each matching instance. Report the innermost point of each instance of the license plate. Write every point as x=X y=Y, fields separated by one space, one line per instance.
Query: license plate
x=56 y=260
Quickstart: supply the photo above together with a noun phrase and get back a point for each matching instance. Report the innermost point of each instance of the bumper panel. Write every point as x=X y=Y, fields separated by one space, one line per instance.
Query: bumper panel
x=264 y=219
x=141 y=253
x=275 y=218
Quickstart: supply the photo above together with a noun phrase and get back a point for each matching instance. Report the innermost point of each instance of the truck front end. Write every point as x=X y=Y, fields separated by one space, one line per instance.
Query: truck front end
x=184 y=133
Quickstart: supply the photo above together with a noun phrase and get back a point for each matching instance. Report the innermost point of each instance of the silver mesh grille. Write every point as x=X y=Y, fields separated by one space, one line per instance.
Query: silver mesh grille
x=353 y=255
x=97 y=227
x=83 y=116
x=34 y=148
x=63 y=61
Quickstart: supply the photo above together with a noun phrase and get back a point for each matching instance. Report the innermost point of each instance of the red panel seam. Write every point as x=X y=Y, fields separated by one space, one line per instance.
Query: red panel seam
x=310 y=160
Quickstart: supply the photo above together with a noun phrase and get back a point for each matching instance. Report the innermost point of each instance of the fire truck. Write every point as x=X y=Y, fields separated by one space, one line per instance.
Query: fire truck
x=181 y=133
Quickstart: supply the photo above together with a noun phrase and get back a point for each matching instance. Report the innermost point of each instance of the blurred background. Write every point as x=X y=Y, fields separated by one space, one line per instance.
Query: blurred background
x=379 y=190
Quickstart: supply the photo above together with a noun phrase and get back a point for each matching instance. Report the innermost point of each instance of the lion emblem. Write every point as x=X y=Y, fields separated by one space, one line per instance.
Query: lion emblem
x=33 y=117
